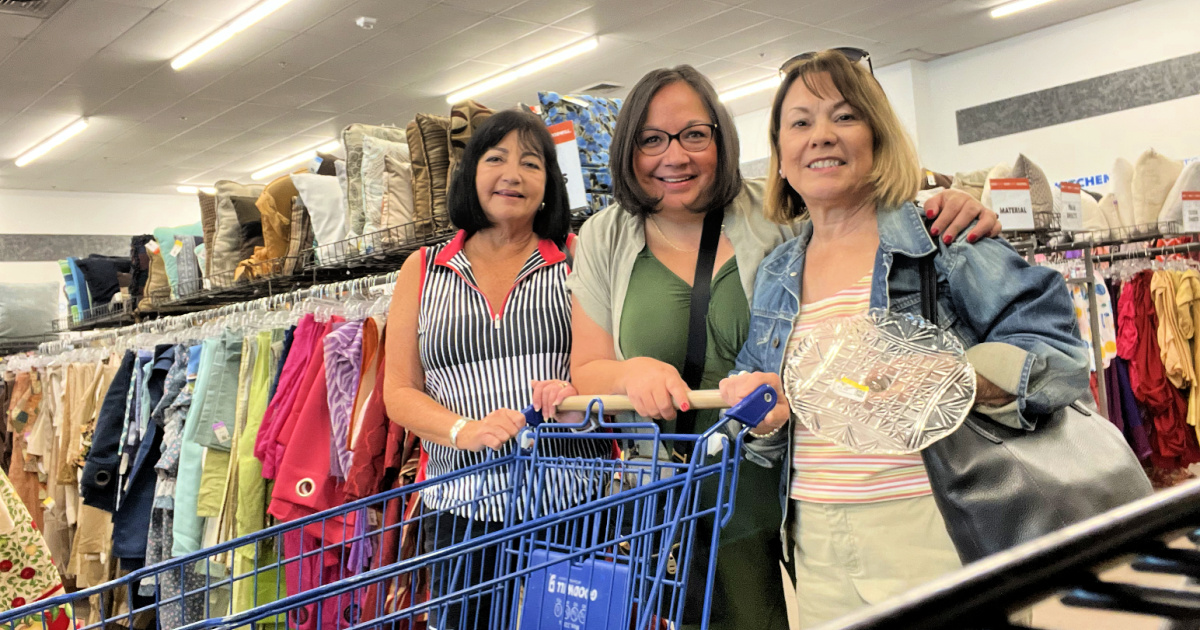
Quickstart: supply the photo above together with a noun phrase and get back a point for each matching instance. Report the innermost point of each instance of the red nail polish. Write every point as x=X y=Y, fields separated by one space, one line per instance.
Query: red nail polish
x=934 y=231
x=972 y=238
x=948 y=239
x=684 y=407
x=929 y=214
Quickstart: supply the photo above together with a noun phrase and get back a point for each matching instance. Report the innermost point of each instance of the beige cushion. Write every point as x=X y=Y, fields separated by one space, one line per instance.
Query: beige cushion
x=999 y=171
x=1040 y=192
x=1122 y=188
x=208 y=221
x=352 y=140
x=971 y=183
x=1093 y=219
x=1172 y=211
x=465 y=118
x=429 y=147
x=225 y=248
x=1153 y=176
x=398 y=195
x=373 y=178
x=1108 y=210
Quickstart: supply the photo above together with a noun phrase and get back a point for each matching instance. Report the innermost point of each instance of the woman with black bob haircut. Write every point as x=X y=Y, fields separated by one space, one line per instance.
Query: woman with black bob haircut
x=553 y=219
x=475 y=324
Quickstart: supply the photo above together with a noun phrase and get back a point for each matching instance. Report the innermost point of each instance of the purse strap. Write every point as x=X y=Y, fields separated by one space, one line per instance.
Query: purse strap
x=697 y=339
x=929 y=290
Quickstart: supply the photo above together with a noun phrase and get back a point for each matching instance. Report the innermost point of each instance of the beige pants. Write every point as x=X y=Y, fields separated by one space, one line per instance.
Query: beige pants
x=849 y=556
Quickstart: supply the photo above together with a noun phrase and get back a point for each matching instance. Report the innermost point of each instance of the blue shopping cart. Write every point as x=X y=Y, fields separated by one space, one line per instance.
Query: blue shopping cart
x=582 y=544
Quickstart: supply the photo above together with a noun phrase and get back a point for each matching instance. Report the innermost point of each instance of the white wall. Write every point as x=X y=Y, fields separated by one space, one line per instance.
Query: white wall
x=47 y=212
x=927 y=95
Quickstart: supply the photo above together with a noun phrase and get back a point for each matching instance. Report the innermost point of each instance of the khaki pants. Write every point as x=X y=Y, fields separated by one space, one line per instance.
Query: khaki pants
x=849 y=555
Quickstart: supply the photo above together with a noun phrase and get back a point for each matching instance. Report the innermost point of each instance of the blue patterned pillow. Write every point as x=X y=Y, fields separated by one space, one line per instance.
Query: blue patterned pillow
x=595 y=120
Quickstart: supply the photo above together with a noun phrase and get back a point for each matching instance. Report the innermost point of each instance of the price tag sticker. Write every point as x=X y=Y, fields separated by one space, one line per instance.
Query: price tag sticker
x=221 y=432
x=847 y=387
x=1011 y=200
x=1191 y=210
x=1070 y=217
x=568 y=160
x=177 y=248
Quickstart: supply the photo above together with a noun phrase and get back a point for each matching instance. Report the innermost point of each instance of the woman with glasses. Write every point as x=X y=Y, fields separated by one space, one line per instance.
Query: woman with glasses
x=684 y=217
x=865 y=526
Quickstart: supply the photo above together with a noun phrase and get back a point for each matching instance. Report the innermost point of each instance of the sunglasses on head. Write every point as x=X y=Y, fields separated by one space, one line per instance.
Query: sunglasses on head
x=854 y=55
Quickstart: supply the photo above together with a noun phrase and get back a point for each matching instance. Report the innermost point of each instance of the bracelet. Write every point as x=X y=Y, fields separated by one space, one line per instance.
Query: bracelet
x=458 y=425
x=769 y=435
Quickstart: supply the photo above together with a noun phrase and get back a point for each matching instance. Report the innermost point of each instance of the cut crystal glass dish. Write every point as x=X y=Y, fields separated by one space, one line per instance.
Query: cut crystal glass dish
x=879 y=382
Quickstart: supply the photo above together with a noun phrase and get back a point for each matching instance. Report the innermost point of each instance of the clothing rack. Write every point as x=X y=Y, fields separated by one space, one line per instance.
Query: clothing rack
x=279 y=301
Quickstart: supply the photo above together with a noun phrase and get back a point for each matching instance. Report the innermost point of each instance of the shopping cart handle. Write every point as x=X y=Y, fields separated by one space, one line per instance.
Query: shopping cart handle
x=755 y=407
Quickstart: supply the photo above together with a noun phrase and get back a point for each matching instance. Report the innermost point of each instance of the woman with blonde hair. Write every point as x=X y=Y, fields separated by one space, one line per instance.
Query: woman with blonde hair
x=865 y=527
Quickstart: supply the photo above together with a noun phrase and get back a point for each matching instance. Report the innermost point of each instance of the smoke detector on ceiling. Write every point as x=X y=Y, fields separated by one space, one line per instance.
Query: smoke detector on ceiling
x=40 y=9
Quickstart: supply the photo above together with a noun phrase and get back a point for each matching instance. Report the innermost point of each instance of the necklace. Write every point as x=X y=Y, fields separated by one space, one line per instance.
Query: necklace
x=668 y=241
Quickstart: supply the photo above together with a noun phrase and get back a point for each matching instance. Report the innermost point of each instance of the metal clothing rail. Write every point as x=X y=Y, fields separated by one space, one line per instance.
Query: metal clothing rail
x=1148 y=252
x=331 y=291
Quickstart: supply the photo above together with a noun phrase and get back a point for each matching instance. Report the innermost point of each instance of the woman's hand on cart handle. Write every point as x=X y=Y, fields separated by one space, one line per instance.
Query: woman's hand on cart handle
x=548 y=395
x=735 y=388
x=492 y=431
x=655 y=388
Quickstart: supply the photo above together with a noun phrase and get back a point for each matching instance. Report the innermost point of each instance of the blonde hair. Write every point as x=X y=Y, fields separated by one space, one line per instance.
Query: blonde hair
x=895 y=177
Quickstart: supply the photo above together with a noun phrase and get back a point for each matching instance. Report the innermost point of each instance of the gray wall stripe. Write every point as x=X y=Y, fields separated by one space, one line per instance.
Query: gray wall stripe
x=1127 y=89
x=43 y=247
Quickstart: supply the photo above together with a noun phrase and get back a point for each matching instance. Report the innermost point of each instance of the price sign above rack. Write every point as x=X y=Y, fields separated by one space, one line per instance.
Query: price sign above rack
x=1191 y=210
x=1011 y=200
x=1070 y=217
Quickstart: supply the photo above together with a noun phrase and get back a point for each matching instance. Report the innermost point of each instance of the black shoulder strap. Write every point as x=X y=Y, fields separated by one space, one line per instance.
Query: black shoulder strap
x=697 y=344
x=929 y=292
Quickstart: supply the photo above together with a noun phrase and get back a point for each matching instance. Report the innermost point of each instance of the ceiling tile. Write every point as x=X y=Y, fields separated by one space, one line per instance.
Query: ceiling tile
x=487 y=6
x=815 y=12
x=243 y=49
x=248 y=81
x=720 y=67
x=750 y=37
x=772 y=8
x=149 y=4
x=546 y=11
x=90 y=25
x=189 y=112
x=305 y=51
x=300 y=15
x=351 y=65
x=206 y=161
x=76 y=99
x=295 y=121
x=7 y=45
x=773 y=53
x=298 y=91
x=396 y=109
x=162 y=36
x=348 y=98
x=458 y=77
x=742 y=77
x=164 y=78
x=104 y=129
x=697 y=33
x=43 y=60
x=884 y=14
x=111 y=69
x=244 y=144
x=199 y=139
x=244 y=116
x=608 y=17
x=19 y=26
x=483 y=37
x=536 y=44
x=138 y=104
x=388 y=13
x=18 y=94
x=221 y=10
x=674 y=17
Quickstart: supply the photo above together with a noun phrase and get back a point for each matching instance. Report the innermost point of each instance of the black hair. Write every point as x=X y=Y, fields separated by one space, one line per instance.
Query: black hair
x=553 y=219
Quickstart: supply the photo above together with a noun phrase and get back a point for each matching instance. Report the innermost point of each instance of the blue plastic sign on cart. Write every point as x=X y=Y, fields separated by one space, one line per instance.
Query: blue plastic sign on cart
x=585 y=595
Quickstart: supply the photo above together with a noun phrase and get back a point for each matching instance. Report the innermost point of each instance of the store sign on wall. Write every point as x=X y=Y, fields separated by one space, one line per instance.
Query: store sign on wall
x=1011 y=200
x=568 y=160
x=1091 y=181
x=1191 y=210
x=1070 y=218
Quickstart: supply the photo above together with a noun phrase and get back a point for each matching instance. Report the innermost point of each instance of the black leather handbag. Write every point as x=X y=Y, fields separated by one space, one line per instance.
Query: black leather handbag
x=997 y=487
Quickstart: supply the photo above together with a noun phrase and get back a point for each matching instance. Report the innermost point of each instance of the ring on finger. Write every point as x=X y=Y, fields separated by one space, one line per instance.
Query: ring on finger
x=564 y=384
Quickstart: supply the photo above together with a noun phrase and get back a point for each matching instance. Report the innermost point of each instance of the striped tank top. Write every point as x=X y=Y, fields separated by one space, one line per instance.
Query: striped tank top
x=479 y=357
x=823 y=472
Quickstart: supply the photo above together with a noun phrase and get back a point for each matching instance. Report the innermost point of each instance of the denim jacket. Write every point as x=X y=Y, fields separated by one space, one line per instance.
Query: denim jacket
x=1016 y=320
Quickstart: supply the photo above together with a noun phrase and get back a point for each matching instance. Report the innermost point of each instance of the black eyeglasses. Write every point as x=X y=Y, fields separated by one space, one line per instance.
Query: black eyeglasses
x=853 y=55
x=693 y=138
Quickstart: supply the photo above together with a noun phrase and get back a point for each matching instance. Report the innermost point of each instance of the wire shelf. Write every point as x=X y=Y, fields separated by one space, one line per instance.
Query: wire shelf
x=101 y=316
x=385 y=249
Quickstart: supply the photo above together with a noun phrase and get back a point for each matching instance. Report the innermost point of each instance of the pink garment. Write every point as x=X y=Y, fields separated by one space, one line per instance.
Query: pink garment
x=318 y=569
x=273 y=440
x=1127 y=333
x=294 y=369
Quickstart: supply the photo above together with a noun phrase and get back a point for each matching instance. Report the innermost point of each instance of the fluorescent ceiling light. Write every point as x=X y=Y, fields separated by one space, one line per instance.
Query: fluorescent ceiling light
x=750 y=88
x=524 y=70
x=1017 y=5
x=191 y=190
x=295 y=160
x=225 y=33
x=52 y=141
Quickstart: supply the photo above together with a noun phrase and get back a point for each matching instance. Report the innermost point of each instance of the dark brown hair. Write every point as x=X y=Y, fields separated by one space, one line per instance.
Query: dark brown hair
x=728 y=180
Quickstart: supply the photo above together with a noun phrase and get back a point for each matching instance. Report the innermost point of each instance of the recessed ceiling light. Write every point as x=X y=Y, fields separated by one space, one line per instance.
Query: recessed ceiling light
x=295 y=160
x=769 y=83
x=525 y=69
x=225 y=33
x=191 y=190
x=51 y=142
x=1015 y=6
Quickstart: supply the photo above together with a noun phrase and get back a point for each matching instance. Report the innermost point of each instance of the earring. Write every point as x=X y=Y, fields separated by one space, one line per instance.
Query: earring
x=542 y=207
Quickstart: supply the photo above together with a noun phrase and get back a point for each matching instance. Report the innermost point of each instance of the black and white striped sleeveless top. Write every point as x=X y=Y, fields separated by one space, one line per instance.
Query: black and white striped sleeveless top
x=479 y=357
